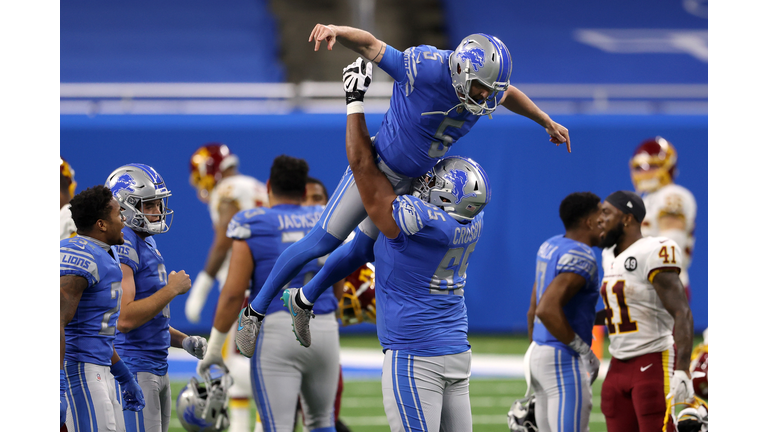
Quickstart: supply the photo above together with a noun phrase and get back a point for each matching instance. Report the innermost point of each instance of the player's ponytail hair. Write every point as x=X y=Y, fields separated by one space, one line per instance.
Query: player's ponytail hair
x=288 y=177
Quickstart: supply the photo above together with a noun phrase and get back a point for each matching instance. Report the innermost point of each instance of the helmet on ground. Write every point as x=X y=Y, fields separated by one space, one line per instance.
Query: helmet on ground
x=653 y=165
x=456 y=184
x=358 y=298
x=522 y=415
x=202 y=407
x=133 y=186
x=67 y=175
x=483 y=58
x=207 y=165
x=694 y=417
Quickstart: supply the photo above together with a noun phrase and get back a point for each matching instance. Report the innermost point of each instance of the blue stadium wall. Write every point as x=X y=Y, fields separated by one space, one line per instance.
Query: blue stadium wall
x=529 y=178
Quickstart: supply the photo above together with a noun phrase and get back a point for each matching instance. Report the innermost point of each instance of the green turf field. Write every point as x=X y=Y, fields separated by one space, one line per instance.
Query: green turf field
x=362 y=410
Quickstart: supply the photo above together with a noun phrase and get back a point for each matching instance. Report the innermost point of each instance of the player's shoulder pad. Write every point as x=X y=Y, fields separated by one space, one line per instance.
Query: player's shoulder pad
x=578 y=258
x=127 y=252
x=658 y=253
x=424 y=64
x=410 y=213
x=240 y=226
x=78 y=256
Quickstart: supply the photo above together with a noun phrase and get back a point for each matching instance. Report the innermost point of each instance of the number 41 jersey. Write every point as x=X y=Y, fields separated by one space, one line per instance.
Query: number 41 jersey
x=636 y=319
x=420 y=278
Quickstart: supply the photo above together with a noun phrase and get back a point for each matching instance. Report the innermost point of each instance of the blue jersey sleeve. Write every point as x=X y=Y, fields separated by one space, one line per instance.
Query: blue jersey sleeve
x=392 y=63
x=241 y=225
x=127 y=252
x=408 y=212
x=78 y=261
x=581 y=262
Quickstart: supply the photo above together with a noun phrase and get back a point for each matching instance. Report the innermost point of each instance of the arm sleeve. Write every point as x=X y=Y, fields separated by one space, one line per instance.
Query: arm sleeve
x=393 y=63
x=407 y=211
x=579 y=262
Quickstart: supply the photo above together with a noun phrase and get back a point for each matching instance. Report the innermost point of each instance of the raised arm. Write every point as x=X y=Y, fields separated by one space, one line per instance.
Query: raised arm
x=375 y=189
x=517 y=102
x=359 y=41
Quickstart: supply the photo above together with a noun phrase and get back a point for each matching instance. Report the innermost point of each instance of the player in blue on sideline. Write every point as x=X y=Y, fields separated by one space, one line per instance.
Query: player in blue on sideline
x=421 y=257
x=280 y=371
x=90 y=291
x=437 y=97
x=144 y=333
x=561 y=317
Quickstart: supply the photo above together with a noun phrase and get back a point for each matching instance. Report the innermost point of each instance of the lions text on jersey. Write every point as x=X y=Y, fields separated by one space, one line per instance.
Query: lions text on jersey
x=268 y=232
x=637 y=321
x=561 y=255
x=145 y=348
x=91 y=332
x=420 y=125
x=420 y=278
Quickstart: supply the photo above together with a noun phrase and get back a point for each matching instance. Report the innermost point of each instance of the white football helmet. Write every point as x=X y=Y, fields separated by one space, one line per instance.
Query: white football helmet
x=135 y=184
x=203 y=407
x=486 y=59
x=457 y=185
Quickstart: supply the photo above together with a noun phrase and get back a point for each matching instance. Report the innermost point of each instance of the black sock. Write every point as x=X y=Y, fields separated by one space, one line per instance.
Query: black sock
x=249 y=312
x=301 y=303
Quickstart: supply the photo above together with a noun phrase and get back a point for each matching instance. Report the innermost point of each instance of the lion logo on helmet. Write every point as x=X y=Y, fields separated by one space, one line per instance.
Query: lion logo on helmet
x=459 y=179
x=475 y=56
x=124 y=182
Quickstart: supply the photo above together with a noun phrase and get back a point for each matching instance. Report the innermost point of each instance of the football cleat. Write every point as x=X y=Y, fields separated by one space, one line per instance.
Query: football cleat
x=299 y=317
x=247 y=330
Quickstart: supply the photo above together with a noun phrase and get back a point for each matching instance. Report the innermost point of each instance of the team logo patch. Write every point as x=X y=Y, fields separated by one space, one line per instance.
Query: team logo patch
x=459 y=180
x=98 y=377
x=630 y=264
x=476 y=57
x=124 y=182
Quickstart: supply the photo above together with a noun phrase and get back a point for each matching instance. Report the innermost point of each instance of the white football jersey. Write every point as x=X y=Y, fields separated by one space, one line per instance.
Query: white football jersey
x=67 y=226
x=636 y=319
x=672 y=199
x=247 y=193
x=245 y=190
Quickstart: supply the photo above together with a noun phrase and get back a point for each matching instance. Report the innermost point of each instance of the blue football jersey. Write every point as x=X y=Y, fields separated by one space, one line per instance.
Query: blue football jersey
x=560 y=255
x=145 y=348
x=268 y=232
x=91 y=332
x=420 y=278
x=415 y=133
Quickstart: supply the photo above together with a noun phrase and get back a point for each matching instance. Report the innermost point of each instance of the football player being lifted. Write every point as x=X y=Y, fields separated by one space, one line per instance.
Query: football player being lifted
x=438 y=96
x=649 y=323
x=144 y=333
x=215 y=176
